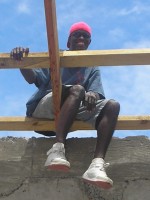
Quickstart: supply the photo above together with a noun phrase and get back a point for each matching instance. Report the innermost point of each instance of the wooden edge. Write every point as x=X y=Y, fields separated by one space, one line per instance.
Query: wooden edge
x=54 y=61
x=87 y=58
x=120 y=57
x=30 y=124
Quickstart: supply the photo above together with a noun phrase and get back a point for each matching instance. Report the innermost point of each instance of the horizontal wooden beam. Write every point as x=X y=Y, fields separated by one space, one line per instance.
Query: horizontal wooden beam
x=89 y=58
x=119 y=57
x=33 y=60
x=29 y=124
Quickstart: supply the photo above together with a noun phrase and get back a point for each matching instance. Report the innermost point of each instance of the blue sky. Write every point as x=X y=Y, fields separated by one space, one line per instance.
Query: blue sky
x=115 y=24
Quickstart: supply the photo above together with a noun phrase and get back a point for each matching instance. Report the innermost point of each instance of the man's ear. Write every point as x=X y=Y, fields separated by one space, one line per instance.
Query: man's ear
x=89 y=40
x=68 y=43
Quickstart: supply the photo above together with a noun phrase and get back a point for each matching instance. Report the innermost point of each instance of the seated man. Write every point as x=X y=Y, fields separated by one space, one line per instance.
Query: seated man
x=82 y=99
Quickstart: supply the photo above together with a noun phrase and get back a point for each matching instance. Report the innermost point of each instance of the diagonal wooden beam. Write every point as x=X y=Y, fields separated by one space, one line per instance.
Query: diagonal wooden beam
x=89 y=58
x=52 y=36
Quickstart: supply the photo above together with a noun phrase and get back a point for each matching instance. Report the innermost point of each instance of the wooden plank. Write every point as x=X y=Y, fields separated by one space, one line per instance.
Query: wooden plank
x=29 y=124
x=25 y=124
x=34 y=60
x=133 y=123
x=105 y=58
x=51 y=24
x=118 y=57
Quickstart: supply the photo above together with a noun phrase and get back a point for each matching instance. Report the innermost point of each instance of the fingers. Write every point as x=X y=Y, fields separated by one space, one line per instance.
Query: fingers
x=90 y=101
x=17 y=53
x=26 y=50
x=90 y=106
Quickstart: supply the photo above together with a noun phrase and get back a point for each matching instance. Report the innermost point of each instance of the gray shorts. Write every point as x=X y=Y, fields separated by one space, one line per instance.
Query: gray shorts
x=45 y=109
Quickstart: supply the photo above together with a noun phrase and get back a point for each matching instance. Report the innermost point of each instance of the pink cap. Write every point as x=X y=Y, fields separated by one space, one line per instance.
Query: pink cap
x=79 y=26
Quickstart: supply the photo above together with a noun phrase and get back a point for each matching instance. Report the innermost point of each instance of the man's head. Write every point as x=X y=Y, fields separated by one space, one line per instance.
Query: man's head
x=79 y=36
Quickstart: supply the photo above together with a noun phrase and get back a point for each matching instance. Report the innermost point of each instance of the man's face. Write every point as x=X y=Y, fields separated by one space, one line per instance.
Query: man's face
x=79 y=40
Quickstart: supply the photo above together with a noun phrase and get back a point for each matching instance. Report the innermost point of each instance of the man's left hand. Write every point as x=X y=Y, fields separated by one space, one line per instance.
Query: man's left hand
x=90 y=100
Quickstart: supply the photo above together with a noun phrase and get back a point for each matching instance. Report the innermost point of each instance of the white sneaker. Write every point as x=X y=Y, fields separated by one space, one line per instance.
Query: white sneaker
x=96 y=174
x=56 y=159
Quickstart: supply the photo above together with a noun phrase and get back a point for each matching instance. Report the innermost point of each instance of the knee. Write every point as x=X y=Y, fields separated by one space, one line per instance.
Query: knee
x=77 y=91
x=110 y=111
x=113 y=107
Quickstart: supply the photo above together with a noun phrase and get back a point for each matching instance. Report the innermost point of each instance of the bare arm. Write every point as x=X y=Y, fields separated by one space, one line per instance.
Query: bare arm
x=17 y=54
x=29 y=75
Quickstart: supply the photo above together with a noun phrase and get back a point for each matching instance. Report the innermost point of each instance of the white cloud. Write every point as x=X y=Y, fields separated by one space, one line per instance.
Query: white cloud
x=66 y=15
x=142 y=43
x=23 y=7
x=137 y=9
x=130 y=86
x=116 y=34
x=134 y=10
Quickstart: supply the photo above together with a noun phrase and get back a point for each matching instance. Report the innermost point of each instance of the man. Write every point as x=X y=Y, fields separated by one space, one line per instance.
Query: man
x=83 y=99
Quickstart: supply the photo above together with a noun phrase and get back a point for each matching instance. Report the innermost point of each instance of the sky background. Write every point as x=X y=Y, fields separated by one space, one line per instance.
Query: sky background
x=116 y=24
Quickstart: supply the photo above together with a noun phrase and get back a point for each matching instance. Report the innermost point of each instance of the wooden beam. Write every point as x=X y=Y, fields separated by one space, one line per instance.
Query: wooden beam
x=29 y=124
x=54 y=61
x=118 y=57
x=34 y=60
x=105 y=57
x=133 y=123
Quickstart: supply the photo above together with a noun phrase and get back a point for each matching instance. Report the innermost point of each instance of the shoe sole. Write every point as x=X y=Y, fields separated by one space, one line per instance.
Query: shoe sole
x=100 y=184
x=57 y=167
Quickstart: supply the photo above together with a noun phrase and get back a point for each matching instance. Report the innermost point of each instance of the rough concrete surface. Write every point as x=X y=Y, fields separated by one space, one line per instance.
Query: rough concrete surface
x=23 y=176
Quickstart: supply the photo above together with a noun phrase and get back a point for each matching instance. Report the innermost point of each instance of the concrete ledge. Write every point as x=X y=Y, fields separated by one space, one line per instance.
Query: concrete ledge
x=23 y=176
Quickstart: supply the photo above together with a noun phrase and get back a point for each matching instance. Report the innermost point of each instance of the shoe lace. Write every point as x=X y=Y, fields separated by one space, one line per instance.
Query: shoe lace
x=106 y=165
x=101 y=166
x=57 y=152
x=48 y=152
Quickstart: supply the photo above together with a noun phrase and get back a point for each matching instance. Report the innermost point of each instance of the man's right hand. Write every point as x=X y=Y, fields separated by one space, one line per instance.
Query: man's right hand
x=17 y=53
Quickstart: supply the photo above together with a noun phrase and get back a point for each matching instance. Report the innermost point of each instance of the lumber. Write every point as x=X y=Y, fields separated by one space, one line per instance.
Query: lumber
x=21 y=123
x=89 y=58
x=54 y=59
x=120 y=57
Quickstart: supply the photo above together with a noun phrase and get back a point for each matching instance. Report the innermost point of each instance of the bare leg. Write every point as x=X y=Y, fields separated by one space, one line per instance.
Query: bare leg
x=106 y=127
x=105 y=123
x=56 y=159
x=68 y=112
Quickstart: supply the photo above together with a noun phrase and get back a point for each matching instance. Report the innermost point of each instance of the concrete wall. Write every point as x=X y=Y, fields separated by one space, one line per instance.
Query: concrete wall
x=23 y=176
